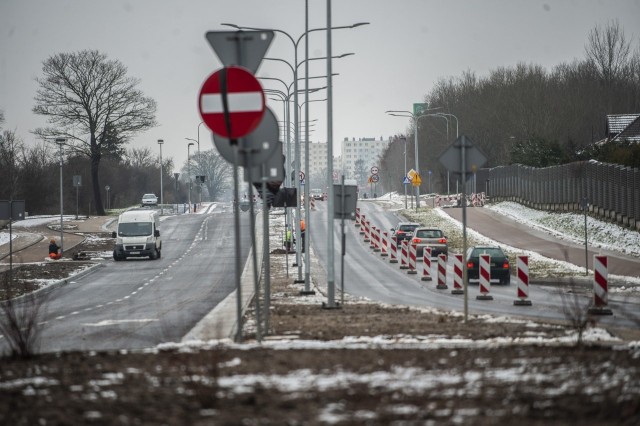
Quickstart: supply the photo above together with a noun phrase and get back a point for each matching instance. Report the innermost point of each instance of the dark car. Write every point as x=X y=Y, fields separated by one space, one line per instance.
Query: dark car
x=404 y=231
x=499 y=265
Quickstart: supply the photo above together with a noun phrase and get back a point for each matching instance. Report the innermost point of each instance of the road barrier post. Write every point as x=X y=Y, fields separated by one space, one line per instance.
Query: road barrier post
x=385 y=240
x=485 y=278
x=457 y=275
x=412 y=259
x=523 y=281
x=426 y=263
x=393 y=257
x=404 y=255
x=600 y=286
x=442 y=272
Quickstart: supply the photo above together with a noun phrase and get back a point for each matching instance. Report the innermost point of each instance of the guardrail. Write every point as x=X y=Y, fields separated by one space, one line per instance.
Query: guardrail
x=611 y=190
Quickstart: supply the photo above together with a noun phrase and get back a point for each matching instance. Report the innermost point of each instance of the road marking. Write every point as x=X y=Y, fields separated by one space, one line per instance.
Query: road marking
x=106 y=323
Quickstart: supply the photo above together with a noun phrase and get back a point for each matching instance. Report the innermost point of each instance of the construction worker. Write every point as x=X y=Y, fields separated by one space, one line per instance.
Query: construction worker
x=288 y=239
x=54 y=250
x=302 y=229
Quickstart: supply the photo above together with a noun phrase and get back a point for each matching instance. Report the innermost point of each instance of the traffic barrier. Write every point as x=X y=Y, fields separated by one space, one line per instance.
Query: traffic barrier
x=457 y=275
x=374 y=239
x=437 y=201
x=522 y=263
x=412 y=259
x=393 y=255
x=426 y=263
x=363 y=226
x=312 y=203
x=383 y=248
x=366 y=230
x=404 y=255
x=485 y=278
x=442 y=272
x=600 y=286
x=358 y=218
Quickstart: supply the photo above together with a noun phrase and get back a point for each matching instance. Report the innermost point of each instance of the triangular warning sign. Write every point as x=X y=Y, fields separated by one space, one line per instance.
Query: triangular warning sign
x=244 y=48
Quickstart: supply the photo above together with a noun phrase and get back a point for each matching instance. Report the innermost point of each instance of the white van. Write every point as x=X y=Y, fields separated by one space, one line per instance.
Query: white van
x=138 y=235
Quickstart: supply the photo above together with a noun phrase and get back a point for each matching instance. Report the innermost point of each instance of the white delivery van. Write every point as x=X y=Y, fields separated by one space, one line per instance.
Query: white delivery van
x=138 y=235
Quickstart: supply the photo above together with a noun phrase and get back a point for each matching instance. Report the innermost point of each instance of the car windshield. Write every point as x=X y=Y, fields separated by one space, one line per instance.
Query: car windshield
x=428 y=233
x=407 y=228
x=493 y=252
x=147 y=196
x=134 y=229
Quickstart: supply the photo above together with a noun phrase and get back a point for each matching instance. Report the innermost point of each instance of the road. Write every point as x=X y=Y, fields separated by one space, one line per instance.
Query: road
x=367 y=274
x=140 y=303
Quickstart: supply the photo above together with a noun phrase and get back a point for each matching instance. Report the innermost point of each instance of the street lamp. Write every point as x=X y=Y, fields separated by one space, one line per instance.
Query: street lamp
x=61 y=142
x=160 y=142
x=199 y=159
x=189 y=172
x=415 y=115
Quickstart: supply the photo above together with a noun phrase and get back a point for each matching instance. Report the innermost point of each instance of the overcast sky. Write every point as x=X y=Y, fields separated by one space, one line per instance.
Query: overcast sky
x=407 y=47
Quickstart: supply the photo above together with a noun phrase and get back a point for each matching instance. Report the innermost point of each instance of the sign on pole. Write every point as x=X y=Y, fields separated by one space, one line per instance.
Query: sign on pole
x=374 y=170
x=451 y=158
x=244 y=48
x=231 y=102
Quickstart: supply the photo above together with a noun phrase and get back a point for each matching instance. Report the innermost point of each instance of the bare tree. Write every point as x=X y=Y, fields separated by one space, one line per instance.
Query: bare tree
x=90 y=101
x=608 y=51
x=216 y=169
x=141 y=158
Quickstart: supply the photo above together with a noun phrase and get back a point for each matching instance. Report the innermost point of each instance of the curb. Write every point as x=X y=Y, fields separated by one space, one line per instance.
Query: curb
x=24 y=247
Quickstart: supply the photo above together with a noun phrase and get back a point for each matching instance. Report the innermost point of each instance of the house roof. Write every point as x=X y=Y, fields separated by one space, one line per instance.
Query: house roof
x=623 y=126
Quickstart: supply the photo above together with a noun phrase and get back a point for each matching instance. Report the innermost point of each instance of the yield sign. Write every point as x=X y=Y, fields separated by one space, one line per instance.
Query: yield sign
x=244 y=48
x=231 y=102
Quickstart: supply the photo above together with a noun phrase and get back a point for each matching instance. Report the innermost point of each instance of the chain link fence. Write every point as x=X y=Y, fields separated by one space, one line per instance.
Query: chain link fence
x=611 y=191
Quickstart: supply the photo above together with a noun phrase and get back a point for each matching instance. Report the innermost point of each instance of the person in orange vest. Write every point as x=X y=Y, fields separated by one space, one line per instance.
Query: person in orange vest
x=54 y=250
x=302 y=229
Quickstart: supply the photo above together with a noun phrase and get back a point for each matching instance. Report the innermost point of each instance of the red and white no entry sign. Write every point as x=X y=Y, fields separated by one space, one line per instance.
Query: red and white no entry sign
x=245 y=102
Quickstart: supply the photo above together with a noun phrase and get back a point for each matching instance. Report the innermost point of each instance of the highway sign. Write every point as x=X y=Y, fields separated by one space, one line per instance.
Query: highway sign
x=406 y=181
x=244 y=48
x=374 y=170
x=417 y=180
x=451 y=158
x=231 y=102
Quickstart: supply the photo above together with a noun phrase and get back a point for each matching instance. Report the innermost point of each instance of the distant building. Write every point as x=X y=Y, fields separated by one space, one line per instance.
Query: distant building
x=623 y=127
x=368 y=150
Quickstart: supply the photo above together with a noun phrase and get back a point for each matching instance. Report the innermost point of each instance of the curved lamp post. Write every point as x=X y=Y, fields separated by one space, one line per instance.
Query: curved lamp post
x=189 y=172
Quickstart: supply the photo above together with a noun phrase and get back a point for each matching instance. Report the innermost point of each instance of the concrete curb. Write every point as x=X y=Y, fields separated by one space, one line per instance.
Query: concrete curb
x=221 y=322
x=24 y=247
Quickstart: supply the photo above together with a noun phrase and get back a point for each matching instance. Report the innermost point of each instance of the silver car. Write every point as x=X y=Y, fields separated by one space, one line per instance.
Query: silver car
x=149 y=200
x=429 y=237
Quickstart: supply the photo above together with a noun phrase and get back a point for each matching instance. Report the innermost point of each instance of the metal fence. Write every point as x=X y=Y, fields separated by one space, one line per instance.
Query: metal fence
x=611 y=191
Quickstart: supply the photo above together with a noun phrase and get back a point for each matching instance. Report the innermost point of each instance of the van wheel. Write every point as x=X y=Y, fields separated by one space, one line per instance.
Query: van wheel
x=159 y=254
x=153 y=255
x=116 y=257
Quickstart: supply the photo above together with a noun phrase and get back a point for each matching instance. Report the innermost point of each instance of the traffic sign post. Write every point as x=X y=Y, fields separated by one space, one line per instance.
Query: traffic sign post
x=231 y=102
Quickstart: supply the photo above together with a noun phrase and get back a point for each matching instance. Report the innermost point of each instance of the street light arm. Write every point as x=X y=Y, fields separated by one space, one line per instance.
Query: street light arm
x=341 y=27
x=240 y=28
x=293 y=70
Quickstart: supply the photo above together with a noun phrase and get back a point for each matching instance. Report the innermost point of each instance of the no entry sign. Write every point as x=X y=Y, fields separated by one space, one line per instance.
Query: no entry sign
x=231 y=102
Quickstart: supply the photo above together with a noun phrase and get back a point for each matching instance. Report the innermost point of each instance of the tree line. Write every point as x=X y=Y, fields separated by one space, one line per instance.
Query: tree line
x=529 y=115
x=93 y=109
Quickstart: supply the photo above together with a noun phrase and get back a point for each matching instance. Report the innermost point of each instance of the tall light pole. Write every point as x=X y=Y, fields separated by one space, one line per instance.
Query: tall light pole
x=449 y=115
x=200 y=159
x=160 y=142
x=189 y=172
x=295 y=80
x=198 y=142
x=61 y=142
x=418 y=110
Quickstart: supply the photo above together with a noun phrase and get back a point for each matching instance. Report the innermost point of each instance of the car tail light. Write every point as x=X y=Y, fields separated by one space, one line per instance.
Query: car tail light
x=505 y=265
x=400 y=232
x=442 y=241
x=416 y=241
x=469 y=264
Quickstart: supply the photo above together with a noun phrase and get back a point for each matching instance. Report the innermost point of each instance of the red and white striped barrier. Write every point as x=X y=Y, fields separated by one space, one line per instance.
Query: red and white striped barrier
x=485 y=277
x=600 y=286
x=366 y=230
x=412 y=259
x=393 y=250
x=404 y=255
x=437 y=201
x=312 y=203
x=522 y=263
x=383 y=248
x=457 y=275
x=358 y=217
x=375 y=239
x=363 y=218
x=442 y=272
x=426 y=263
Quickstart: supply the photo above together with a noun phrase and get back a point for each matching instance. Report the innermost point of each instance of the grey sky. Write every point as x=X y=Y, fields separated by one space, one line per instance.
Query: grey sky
x=409 y=45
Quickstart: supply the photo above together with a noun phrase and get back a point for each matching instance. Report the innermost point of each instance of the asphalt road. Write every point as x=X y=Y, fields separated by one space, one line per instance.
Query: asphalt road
x=370 y=275
x=140 y=303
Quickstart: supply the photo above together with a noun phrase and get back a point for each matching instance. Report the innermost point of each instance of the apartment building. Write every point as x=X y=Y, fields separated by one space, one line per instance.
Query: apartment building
x=368 y=150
